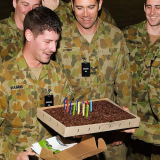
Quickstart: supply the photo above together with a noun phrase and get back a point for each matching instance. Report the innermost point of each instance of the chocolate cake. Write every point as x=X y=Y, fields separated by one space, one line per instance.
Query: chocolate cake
x=103 y=111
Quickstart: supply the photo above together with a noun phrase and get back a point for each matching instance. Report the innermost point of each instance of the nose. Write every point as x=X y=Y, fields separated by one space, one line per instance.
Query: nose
x=53 y=46
x=152 y=10
x=85 y=14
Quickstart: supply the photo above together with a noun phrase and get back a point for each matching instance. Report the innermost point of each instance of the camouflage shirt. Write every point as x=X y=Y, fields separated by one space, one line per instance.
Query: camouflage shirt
x=20 y=96
x=66 y=15
x=109 y=60
x=11 y=39
x=145 y=68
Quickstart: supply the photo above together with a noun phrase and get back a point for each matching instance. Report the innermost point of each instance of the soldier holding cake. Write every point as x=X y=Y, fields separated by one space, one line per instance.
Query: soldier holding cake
x=95 y=59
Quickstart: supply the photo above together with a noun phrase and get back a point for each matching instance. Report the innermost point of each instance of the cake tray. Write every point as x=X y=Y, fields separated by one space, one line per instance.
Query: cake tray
x=86 y=129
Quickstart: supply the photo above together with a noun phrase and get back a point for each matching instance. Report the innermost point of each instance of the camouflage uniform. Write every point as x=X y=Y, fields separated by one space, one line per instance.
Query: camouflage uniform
x=11 y=39
x=65 y=13
x=145 y=68
x=109 y=60
x=20 y=96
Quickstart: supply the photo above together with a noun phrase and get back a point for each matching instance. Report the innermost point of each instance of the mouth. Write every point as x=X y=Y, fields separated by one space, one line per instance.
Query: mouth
x=153 y=17
x=48 y=54
x=86 y=19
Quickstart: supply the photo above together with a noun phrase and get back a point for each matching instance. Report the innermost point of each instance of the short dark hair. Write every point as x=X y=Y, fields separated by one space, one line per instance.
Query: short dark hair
x=145 y=1
x=40 y=19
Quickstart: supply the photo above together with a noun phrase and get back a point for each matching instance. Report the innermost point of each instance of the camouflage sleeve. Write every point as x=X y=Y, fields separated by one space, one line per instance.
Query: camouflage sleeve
x=3 y=99
x=154 y=88
x=65 y=14
x=10 y=43
x=106 y=16
x=123 y=83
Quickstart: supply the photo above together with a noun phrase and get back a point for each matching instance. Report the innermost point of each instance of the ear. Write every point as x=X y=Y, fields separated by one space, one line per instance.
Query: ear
x=144 y=7
x=100 y=4
x=28 y=35
x=72 y=5
x=14 y=4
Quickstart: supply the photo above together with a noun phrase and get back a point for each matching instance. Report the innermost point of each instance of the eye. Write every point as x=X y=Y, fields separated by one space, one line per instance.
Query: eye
x=79 y=8
x=157 y=7
x=91 y=7
x=148 y=7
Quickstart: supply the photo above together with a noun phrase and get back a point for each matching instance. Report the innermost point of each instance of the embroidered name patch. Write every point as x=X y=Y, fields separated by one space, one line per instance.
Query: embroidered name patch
x=16 y=87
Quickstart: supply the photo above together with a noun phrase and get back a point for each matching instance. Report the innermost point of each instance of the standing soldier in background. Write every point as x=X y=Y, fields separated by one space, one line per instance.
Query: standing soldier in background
x=95 y=59
x=26 y=81
x=11 y=29
x=143 y=41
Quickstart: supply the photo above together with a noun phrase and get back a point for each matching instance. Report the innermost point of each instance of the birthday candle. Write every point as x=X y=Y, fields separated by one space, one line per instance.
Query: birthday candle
x=87 y=102
x=70 y=110
x=67 y=104
x=82 y=106
x=91 y=105
x=87 y=110
x=83 y=109
x=78 y=107
x=74 y=109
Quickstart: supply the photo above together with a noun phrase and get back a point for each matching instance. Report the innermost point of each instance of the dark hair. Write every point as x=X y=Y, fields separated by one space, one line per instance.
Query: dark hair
x=40 y=19
x=145 y=1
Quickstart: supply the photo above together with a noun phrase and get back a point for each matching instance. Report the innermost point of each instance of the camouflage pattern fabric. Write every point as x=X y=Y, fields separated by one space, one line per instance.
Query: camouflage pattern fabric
x=66 y=15
x=11 y=39
x=145 y=68
x=145 y=59
x=20 y=96
x=109 y=60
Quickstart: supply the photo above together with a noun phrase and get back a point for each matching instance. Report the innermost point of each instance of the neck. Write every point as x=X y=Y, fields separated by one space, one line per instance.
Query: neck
x=19 y=24
x=153 y=30
x=88 y=31
x=30 y=59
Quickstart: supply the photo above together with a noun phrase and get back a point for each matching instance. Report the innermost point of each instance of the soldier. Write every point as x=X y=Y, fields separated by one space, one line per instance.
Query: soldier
x=11 y=29
x=25 y=81
x=64 y=12
x=143 y=41
x=95 y=58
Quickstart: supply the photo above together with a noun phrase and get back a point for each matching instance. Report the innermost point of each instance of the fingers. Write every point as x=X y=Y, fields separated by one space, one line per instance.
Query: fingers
x=24 y=155
x=126 y=109
x=129 y=130
x=116 y=143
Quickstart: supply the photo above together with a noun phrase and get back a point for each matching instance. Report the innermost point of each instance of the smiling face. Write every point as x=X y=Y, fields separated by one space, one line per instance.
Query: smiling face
x=86 y=13
x=152 y=10
x=42 y=46
x=22 y=7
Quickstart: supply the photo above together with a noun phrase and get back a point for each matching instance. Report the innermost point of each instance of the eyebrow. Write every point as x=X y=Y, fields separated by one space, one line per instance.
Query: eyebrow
x=87 y=6
x=151 y=5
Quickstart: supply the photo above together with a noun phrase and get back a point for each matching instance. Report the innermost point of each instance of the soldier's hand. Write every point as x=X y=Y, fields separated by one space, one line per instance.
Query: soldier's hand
x=117 y=138
x=52 y=4
x=24 y=155
x=132 y=130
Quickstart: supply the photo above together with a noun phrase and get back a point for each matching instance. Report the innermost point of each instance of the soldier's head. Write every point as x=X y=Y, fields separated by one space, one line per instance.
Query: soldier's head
x=41 y=28
x=86 y=13
x=22 y=7
x=152 y=11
